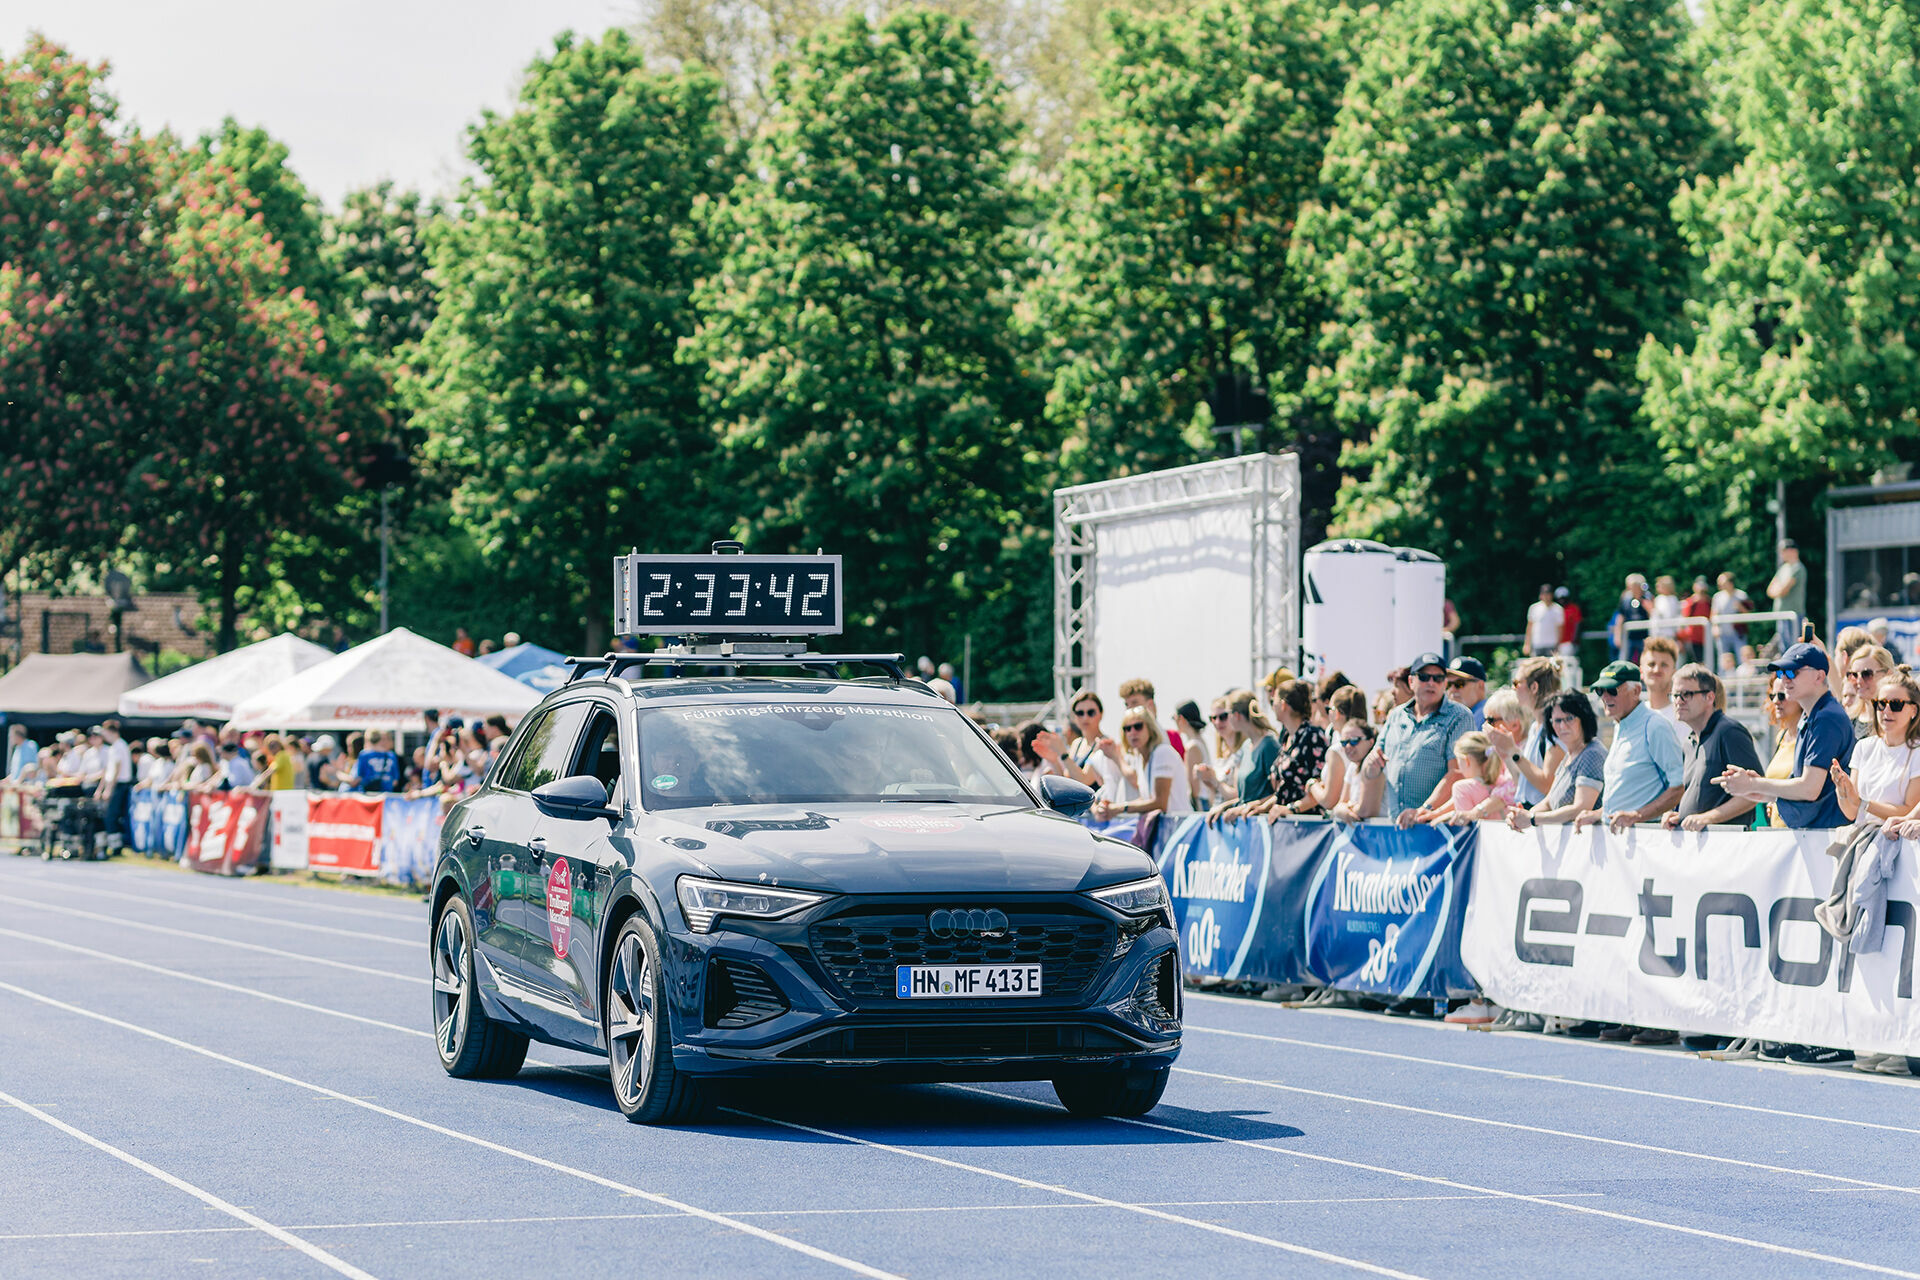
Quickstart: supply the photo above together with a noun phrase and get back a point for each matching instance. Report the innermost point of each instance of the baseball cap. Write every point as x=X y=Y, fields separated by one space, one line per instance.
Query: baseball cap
x=1800 y=655
x=1468 y=668
x=1426 y=660
x=1615 y=674
x=1561 y=593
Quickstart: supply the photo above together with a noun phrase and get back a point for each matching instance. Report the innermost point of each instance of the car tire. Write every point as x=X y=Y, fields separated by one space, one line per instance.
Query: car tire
x=1112 y=1093
x=646 y=1086
x=470 y=1043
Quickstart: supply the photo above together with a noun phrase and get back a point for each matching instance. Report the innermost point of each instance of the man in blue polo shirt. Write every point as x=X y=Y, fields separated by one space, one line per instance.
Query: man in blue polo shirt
x=1416 y=745
x=1807 y=799
x=1646 y=765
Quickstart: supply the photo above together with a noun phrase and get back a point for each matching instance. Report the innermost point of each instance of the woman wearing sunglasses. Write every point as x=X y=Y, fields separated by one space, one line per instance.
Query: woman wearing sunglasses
x=1784 y=714
x=1153 y=778
x=1298 y=763
x=1254 y=751
x=1359 y=797
x=1866 y=667
x=1094 y=759
x=1884 y=782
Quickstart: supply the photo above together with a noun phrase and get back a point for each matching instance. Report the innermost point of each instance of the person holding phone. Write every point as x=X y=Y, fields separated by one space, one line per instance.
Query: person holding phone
x=1808 y=799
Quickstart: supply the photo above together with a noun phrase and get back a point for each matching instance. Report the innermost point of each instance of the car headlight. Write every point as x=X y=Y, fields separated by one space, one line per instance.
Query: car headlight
x=1136 y=898
x=702 y=900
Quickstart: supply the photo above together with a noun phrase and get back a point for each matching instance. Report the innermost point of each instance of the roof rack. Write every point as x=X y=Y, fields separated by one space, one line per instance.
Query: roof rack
x=734 y=654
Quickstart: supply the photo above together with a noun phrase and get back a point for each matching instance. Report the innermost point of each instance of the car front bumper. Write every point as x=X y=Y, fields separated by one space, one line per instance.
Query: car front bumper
x=1126 y=1016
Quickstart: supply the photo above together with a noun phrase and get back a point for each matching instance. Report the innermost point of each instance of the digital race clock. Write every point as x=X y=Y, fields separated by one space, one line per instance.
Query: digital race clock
x=726 y=595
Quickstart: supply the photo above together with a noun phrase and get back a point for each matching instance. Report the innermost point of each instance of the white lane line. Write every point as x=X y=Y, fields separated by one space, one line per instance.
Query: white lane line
x=751 y=1213
x=1861 y=1183
x=652 y=1197
x=254 y=1221
x=250 y=916
x=1551 y=1203
x=124 y=923
x=405 y=909
x=1528 y=1075
x=1144 y=1210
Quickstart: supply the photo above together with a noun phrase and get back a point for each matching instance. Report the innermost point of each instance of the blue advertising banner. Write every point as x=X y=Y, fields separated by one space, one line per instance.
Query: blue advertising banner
x=143 y=819
x=409 y=839
x=174 y=823
x=1386 y=908
x=1359 y=908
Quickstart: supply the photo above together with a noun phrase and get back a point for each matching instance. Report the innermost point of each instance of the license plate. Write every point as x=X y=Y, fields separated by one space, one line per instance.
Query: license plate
x=965 y=981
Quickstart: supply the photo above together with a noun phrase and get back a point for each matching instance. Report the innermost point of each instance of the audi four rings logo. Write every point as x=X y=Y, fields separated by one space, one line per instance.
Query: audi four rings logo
x=987 y=924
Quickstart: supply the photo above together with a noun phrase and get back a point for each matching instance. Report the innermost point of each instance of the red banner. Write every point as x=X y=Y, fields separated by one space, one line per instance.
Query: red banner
x=342 y=832
x=224 y=830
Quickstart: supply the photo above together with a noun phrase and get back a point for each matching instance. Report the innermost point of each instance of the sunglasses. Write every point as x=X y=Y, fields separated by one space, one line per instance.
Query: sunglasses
x=1081 y=713
x=1430 y=677
x=1892 y=704
x=1219 y=717
x=1694 y=693
x=1788 y=673
x=1866 y=673
x=1351 y=742
x=1129 y=728
x=1776 y=697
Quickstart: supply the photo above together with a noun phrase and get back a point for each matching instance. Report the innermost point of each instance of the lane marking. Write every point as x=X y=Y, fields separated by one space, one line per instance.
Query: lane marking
x=1566 y=1080
x=751 y=1213
x=250 y=916
x=253 y=1221
x=230 y=889
x=1852 y=1183
x=652 y=1197
x=1433 y=1180
x=1146 y=1211
x=124 y=923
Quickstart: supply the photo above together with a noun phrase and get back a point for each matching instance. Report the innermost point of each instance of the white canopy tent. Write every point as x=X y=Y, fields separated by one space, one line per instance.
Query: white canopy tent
x=386 y=683
x=208 y=690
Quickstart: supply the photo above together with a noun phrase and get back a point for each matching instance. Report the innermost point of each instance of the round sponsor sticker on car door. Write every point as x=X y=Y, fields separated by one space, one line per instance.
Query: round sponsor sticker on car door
x=560 y=904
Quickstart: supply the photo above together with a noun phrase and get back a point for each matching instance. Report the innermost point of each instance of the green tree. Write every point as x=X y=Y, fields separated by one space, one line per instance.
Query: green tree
x=1496 y=241
x=549 y=388
x=82 y=286
x=1174 y=293
x=1798 y=363
x=1043 y=50
x=375 y=251
x=859 y=332
x=289 y=213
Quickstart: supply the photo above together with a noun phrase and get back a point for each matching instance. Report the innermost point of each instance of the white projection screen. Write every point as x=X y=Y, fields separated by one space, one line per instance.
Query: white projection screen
x=1187 y=577
x=1173 y=600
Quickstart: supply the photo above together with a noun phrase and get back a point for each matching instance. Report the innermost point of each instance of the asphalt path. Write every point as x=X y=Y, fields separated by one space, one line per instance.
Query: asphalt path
x=236 y=1078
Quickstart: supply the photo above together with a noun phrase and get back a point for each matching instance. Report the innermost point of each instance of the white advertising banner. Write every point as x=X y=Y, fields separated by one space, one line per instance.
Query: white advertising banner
x=1711 y=932
x=288 y=850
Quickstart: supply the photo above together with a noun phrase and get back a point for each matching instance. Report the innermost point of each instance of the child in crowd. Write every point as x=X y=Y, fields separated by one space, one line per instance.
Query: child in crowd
x=1484 y=789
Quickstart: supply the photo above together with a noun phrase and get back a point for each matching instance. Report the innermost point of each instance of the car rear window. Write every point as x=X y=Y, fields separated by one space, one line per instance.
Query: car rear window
x=779 y=753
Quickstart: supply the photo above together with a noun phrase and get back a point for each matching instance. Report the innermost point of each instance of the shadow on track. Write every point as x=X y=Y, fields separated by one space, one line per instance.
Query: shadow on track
x=934 y=1115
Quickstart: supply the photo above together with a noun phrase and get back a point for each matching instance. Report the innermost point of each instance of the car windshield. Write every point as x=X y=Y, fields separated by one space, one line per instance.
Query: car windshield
x=782 y=753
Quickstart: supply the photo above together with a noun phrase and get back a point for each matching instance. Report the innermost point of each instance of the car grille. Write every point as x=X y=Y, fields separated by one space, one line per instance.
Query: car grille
x=859 y=950
x=948 y=1043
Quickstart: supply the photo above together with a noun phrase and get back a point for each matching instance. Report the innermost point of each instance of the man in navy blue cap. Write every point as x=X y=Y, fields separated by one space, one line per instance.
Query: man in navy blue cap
x=1807 y=799
x=1416 y=744
x=1467 y=685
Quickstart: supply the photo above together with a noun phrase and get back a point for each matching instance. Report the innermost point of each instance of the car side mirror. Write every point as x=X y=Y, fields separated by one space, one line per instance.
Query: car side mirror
x=1065 y=796
x=581 y=796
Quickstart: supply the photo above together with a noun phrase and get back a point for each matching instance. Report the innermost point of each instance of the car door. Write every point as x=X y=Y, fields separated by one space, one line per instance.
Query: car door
x=516 y=863
x=584 y=858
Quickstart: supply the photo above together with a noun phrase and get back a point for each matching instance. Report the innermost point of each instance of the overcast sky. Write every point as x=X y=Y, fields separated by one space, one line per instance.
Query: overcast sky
x=358 y=90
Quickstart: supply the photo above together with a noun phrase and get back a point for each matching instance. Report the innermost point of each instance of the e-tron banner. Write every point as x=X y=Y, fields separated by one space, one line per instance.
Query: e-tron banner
x=1366 y=908
x=1711 y=932
x=1386 y=906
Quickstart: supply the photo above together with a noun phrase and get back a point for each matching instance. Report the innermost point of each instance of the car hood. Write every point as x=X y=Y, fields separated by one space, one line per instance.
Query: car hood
x=902 y=848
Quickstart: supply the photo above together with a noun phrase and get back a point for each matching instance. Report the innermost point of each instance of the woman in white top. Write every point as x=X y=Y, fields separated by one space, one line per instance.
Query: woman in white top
x=1885 y=779
x=1153 y=777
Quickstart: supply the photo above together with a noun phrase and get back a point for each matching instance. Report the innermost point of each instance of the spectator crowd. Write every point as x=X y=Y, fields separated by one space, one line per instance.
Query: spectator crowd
x=1650 y=741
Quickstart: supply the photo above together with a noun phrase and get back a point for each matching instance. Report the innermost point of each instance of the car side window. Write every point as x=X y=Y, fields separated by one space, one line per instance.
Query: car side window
x=600 y=755
x=548 y=750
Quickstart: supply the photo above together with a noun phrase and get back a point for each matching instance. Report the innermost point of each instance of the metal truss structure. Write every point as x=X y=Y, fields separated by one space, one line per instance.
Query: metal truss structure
x=1265 y=483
